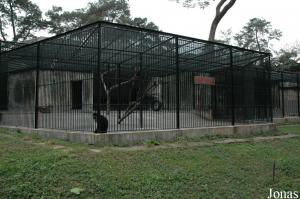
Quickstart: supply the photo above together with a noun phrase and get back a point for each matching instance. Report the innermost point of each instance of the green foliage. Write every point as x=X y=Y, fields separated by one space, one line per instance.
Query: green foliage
x=61 y=21
x=22 y=17
x=257 y=34
x=288 y=59
x=194 y=3
x=226 y=36
x=117 y=11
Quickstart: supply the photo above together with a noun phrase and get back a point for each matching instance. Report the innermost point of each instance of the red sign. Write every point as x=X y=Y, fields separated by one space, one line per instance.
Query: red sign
x=205 y=80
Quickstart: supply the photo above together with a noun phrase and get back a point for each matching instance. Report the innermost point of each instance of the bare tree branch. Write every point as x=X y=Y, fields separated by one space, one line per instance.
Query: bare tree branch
x=109 y=89
x=218 y=17
x=1 y=31
x=257 y=41
x=122 y=83
x=220 y=4
x=12 y=19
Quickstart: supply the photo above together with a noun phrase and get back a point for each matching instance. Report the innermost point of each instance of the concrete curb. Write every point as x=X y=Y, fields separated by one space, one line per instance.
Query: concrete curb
x=287 y=120
x=138 y=137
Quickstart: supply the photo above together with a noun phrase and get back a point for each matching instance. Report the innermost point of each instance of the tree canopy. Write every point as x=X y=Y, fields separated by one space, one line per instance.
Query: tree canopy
x=109 y=10
x=288 y=59
x=19 y=19
x=257 y=34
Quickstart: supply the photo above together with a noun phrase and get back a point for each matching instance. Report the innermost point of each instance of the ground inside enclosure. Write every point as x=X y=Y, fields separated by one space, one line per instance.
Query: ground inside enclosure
x=35 y=167
x=147 y=120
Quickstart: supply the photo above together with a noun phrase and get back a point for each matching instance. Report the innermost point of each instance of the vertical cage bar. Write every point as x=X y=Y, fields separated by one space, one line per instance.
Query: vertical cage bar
x=232 y=89
x=0 y=70
x=141 y=87
x=119 y=90
x=0 y=53
x=177 y=86
x=270 y=88
x=282 y=96
x=98 y=83
x=37 y=77
x=264 y=104
x=298 y=97
x=193 y=92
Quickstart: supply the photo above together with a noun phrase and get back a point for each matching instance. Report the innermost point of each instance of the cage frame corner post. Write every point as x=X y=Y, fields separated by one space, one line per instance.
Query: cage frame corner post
x=298 y=94
x=269 y=71
x=177 y=83
x=282 y=95
x=233 y=119
x=98 y=81
x=37 y=79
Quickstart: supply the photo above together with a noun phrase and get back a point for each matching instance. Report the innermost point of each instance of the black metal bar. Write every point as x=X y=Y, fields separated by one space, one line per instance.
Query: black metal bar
x=298 y=97
x=177 y=86
x=282 y=95
x=98 y=81
x=193 y=92
x=168 y=95
x=265 y=106
x=0 y=53
x=119 y=90
x=243 y=94
x=269 y=67
x=37 y=79
x=141 y=88
x=232 y=90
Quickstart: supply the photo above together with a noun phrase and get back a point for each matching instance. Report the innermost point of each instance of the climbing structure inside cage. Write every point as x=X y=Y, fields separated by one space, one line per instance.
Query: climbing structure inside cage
x=136 y=79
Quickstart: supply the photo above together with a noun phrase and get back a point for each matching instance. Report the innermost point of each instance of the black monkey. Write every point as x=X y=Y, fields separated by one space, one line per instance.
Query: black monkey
x=102 y=126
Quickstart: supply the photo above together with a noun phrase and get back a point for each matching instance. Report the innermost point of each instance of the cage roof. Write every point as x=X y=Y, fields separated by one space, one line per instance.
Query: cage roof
x=110 y=45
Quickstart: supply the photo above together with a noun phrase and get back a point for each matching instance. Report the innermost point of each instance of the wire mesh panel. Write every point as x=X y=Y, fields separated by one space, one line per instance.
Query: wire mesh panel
x=290 y=94
x=285 y=94
x=203 y=69
x=137 y=79
x=66 y=76
x=17 y=87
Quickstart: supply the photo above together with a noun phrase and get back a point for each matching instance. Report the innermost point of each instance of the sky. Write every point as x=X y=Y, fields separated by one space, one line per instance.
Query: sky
x=194 y=22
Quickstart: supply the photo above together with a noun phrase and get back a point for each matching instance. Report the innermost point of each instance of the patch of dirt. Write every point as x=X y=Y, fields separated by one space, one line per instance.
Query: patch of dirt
x=58 y=147
x=204 y=144
x=95 y=150
x=231 y=141
x=260 y=139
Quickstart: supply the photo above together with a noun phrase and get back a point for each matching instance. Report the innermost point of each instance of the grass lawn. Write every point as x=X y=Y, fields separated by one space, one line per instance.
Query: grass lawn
x=33 y=167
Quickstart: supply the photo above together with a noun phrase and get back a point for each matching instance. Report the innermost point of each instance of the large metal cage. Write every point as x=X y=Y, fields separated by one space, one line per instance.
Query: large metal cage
x=138 y=79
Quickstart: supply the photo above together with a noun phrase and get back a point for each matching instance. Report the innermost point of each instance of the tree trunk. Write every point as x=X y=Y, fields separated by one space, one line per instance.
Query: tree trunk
x=220 y=13
x=12 y=20
x=1 y=31
x=108 y=102
x=257 y=41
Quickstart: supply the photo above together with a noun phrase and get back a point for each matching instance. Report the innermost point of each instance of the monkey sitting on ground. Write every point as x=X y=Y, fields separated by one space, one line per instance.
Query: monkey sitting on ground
x=103 y=125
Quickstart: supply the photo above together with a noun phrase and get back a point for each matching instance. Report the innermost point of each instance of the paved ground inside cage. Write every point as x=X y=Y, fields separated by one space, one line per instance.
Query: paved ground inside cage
x=83 y=121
